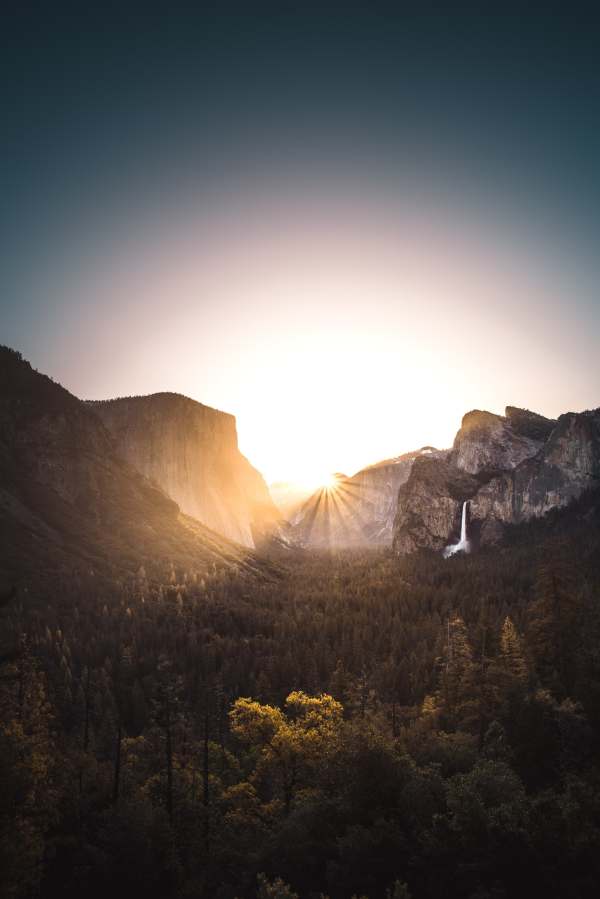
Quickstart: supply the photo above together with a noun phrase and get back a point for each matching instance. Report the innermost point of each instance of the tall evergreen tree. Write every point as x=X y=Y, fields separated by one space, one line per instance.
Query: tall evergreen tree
x=512 y=656
x=455 y=695
x=554 y=625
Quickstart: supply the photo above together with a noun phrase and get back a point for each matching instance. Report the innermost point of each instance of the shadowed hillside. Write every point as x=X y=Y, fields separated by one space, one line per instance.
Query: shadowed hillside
x=365 y=726
x=69 y=505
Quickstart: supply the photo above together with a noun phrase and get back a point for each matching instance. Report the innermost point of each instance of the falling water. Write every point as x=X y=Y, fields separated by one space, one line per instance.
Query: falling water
x=463 y=524
x=463 y=543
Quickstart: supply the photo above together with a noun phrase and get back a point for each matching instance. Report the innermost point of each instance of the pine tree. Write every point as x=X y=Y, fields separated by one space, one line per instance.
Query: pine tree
x=455 y=695
x=28 y=788
x=554 y=633
x=167 y=717
x=512 y=657
x=275 y=889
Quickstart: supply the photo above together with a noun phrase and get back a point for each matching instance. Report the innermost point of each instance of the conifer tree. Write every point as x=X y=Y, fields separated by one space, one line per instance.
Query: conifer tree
x=554 y=633
x=167 y=716
x=455 y=694
x=512 y=657
x=275 y=889
x=28 y=790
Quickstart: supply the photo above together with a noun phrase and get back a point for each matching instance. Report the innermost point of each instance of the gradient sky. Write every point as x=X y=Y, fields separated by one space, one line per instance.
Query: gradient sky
x=347 y=230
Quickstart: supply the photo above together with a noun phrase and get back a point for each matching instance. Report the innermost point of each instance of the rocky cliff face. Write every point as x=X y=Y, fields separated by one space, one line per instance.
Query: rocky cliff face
x=489 y=443
x=511 y=468
x=359 y=511
x=70 y=505
x=191 y=452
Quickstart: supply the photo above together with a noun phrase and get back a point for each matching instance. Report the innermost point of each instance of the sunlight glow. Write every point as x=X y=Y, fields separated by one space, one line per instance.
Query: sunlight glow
x=329 y=482
x=313 y=480
x=339 y=331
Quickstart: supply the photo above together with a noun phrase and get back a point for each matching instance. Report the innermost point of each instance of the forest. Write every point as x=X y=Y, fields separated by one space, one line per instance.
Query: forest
x=352 y=725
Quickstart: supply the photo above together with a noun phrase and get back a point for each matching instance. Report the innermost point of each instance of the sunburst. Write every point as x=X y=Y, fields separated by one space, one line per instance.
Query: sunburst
x=329 y=483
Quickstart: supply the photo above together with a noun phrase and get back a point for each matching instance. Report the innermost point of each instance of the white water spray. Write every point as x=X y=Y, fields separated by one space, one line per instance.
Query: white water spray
x=463 y=543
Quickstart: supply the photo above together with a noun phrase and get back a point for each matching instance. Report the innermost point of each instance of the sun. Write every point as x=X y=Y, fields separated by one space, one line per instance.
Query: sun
x=319 y=480
x=329 y=482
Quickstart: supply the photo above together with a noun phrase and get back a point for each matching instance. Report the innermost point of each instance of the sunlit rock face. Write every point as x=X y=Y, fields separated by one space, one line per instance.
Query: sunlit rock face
x=488 y=442
x=358 y=510
x=512 y=468
x=72 y=507
x=191 y=452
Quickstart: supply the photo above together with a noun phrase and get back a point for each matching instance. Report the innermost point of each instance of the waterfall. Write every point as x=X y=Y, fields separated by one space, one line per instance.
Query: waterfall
x=463 y=543
x=463 y=524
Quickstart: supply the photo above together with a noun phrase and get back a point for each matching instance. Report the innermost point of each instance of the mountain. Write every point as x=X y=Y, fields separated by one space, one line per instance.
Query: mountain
x=358 y=510
x=509 y=468
x=191 y=452
x=71 y=506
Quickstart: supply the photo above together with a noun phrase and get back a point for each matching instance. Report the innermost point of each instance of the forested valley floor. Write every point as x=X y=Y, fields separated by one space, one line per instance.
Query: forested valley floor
x=354 y=725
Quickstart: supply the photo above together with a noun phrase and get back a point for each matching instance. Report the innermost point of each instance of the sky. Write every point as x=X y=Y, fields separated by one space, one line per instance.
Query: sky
x=345 y=229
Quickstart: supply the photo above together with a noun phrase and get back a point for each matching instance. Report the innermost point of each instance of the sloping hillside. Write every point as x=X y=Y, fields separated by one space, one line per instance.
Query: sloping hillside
x=70 y=506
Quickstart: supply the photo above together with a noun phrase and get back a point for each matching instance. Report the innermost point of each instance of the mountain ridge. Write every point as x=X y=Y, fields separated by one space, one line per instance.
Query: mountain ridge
x=71 y=506
x=191 y=451
x=510 y=468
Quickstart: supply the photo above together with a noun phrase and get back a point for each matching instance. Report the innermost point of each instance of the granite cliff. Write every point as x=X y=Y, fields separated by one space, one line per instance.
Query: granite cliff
x=71 y=506
x=511 y=468
x=191 y=452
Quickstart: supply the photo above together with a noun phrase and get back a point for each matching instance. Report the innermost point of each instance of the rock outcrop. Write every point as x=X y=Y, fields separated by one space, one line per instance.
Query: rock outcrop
x=191 y=452
x=490 y=443
x=511 y=468
x=71 y=506
x=429 y=504
x=358 y=510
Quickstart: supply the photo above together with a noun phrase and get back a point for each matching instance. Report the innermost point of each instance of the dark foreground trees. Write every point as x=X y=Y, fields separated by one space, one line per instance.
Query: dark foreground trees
x=360 y=726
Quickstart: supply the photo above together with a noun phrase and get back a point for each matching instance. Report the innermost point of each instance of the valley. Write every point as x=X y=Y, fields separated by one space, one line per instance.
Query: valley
x=281 y=731
x=300 y=451
x=406 y=669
